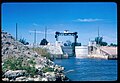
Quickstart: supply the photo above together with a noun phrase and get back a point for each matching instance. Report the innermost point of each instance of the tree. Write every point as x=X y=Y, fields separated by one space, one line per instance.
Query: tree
x=98 y=40
x=68 y=43
x=23 y=41
x=77 y=44
x=113 y=44
x=65 y=44
x=104 y=44
x=44 y=42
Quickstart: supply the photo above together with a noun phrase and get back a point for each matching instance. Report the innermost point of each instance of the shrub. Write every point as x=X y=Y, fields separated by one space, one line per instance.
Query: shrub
x=44 y=42
x=23 y=41
x=14 y=63
x=43 y=52
x=47 y=69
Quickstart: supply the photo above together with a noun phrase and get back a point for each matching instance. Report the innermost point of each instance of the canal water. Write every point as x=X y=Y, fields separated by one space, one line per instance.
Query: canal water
x=77 y=69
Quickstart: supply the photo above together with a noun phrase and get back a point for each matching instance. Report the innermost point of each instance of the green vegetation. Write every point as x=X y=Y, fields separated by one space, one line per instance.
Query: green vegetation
x=23 y=41
x=112 y=44
x=77 y=44
x=47 y=69
x=13 y=63
x=69 y=43
x=43 y=52
x=99 y=41
x=44 y=42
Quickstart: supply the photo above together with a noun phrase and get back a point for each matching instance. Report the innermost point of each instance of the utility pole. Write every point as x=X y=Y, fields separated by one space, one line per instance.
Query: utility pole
x=98 y=31
x=35 y=32
x=34 y=37
x=98 y=36
x=16 y=31
x=45 y=32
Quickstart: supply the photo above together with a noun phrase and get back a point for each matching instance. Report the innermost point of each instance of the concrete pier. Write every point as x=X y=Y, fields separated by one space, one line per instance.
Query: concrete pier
x=104 y=52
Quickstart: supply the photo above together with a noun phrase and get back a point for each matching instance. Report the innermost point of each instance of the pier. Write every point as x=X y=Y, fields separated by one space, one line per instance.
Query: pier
x=104 y=52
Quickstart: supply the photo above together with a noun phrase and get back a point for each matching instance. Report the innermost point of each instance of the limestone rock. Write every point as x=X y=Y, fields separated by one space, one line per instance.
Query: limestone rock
x=15 y=49
x=13 y=74
x=44 y=79
x=21 y=79
x=38 y=78
x=5 y=79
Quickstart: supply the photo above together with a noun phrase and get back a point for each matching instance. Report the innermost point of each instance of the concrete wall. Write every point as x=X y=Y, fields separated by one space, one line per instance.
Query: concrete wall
x=81 y=51
x=53 y=49
x=68 y=50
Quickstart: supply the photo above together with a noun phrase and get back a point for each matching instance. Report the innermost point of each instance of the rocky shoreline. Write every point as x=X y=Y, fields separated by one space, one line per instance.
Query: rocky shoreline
x=20 y=63
x=21 y=75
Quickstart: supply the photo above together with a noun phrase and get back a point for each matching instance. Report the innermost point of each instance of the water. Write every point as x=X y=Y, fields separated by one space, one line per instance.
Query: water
x=89 y=69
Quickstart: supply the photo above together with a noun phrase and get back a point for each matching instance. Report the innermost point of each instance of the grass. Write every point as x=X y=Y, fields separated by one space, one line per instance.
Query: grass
x=43 y=52
x=47 y=69
x=13 y=63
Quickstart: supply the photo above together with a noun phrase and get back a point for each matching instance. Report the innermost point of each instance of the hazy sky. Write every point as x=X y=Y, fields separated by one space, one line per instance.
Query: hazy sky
x=84 y=18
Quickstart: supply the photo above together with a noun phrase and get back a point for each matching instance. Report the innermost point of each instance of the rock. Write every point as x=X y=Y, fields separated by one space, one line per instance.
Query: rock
x=21 y=79
x=14 y=49
x=50 y=76
x=39 y=67
x=58 y=77
x=11 y=47
x=30 y=79
x=5 y=79
x=44 y=79
x=35 y=55
x=52 y=66
x=13 y=74
x=62 y=68
x=38 y=78
x=7 y=43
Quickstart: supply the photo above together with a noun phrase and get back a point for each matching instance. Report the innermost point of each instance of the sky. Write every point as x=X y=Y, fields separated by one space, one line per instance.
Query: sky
x=81 y=17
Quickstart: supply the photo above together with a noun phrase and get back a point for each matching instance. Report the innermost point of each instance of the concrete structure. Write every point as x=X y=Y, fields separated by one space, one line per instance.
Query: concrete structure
x=53 y=49
x=103 y=52
x=60 y=43
x=90 y=51
x=68 y=34
x=111 y=51
x=81 y=51
x=92 y=43
x=68 y=50
x=99 y=56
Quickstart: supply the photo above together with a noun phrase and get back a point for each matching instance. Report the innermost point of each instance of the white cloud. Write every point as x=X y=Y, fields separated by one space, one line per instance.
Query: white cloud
x=87 y=20
x=36 y=32
x=42 y=32
x=35 y=24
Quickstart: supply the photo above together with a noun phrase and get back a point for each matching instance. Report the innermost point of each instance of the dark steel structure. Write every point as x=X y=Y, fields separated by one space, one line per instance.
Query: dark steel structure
x=68 y=34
